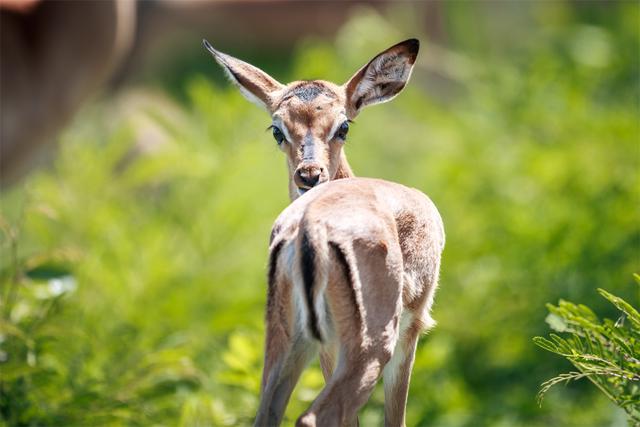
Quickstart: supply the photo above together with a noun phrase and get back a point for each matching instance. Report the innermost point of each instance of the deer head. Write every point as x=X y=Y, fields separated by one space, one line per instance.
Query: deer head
x=310 y=118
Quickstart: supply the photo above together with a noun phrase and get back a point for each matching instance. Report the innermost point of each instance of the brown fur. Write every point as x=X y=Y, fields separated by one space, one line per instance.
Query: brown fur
x=354 y=262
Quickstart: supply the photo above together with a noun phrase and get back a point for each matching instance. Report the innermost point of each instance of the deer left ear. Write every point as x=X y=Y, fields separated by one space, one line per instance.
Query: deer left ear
x=256 y=85
x=382 y=78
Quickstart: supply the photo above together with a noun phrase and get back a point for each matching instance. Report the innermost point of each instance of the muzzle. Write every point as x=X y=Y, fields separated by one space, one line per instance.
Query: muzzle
x=308 y=175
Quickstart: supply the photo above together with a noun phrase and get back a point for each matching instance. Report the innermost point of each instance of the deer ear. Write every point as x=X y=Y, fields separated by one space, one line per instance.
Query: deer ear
x=256 y=85
x=382 y=78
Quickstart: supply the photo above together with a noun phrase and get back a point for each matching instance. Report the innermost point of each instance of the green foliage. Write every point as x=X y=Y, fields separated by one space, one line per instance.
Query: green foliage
x=606 y=352
x=57 y=370
x=132 y=270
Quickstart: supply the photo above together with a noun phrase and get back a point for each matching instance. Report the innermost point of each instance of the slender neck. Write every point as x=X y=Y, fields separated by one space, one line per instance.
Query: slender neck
x=344 y=170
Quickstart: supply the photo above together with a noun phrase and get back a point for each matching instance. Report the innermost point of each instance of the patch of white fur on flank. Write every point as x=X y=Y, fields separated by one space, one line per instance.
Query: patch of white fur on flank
x=300 y=310
x=319 y=301
x=357 y=288
x=320 y=307
x=299 y=303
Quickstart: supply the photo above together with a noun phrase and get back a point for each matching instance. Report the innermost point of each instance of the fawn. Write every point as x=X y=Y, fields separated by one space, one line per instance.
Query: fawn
x=354 y=262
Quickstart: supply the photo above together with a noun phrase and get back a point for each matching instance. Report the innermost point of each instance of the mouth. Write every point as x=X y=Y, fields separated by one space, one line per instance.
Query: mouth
x=302 y=190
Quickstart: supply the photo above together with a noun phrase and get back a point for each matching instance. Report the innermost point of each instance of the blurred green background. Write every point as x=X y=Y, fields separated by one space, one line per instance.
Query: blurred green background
x=133 y=268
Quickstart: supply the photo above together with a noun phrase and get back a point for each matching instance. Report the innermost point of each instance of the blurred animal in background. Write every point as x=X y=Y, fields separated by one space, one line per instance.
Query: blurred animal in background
x=353 y=262
x=56 y=55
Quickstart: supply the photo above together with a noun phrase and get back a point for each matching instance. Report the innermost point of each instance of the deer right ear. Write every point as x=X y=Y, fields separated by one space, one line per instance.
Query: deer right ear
x=382 y=78
x=256 y=85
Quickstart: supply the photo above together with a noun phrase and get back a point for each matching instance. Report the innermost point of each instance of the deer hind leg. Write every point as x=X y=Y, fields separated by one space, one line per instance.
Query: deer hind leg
x=348 y=389
x=280 y=378
x=327 y=362
x=328 y=356
x=365 y=303
x=415 y=320
x=397 y=373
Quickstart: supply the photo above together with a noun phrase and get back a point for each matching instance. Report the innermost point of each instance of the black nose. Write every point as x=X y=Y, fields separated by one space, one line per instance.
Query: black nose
x=310 y=179
x=308 y=176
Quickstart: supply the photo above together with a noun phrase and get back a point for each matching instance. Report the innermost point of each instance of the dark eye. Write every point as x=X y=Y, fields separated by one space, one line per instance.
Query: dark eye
x=278 y=135
x=342 y=131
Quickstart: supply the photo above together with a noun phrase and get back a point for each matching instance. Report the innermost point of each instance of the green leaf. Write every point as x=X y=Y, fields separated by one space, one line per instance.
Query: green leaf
x=623 y=306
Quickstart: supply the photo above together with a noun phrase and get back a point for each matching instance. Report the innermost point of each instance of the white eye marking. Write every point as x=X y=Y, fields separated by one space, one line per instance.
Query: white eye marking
x=339 y=120
x=277 y=122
